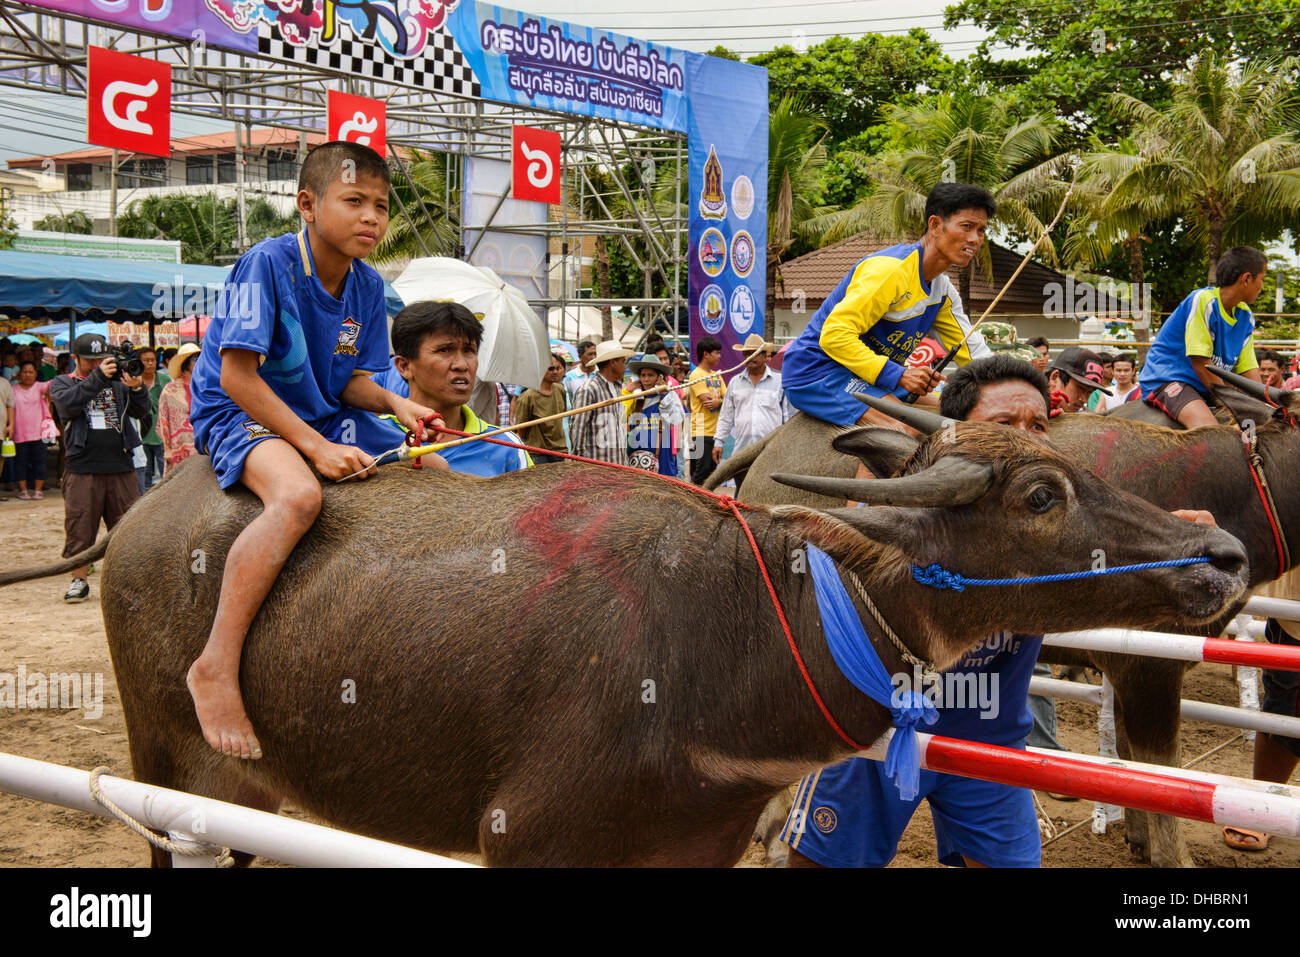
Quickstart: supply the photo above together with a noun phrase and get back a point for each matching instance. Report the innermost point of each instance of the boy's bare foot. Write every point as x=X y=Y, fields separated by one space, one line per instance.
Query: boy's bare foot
x=220 y=709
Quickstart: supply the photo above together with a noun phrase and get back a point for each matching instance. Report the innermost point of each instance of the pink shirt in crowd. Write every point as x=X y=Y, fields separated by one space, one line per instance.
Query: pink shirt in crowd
x=29 y=410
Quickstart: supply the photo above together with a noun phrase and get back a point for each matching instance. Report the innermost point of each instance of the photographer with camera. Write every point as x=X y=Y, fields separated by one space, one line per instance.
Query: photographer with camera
x=97 y=402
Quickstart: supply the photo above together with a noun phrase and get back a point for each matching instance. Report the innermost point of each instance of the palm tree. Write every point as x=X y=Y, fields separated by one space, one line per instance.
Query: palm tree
x=959 y=137
x=1220 y=155
x=74 y=222
x=204 y=225
x=796 y=154
x=422 y=219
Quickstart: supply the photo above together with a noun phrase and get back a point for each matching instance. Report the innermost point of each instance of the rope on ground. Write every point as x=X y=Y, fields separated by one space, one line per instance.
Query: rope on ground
x=160 y=841
x=1068 y=830
x=1214 y=750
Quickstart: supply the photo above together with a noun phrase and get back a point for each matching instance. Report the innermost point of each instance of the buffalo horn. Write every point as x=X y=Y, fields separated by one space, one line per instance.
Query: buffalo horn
x=924 y=421
x=1252 y=388
x=952 y=480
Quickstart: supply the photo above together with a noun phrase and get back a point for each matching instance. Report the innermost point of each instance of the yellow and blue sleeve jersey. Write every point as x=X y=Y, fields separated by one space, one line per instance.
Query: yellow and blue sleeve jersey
x=875 y=318
x=1200 y=327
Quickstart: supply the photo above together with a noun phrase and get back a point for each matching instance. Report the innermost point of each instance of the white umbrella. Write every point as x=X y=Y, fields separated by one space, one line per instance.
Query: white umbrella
x=516 y=348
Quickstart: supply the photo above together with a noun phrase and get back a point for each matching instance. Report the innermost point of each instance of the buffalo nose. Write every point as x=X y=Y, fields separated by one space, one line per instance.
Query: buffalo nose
x=1226 y=553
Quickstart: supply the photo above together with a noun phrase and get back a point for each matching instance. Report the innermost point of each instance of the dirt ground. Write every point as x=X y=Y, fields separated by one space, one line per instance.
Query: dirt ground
x=40 y=631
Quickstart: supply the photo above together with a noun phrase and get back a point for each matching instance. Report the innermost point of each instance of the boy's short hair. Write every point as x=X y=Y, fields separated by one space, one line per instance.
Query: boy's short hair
x=707 y=344
x=961 y=393
x=949 y=199
x=561 y=359
x=1238 y=261
x=324 y=163
x=1127 y=357
x=1037 y=341
x=584 y=345
x=421 y=319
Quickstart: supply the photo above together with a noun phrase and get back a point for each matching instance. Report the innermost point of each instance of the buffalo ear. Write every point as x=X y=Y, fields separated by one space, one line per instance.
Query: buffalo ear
x=884 y=451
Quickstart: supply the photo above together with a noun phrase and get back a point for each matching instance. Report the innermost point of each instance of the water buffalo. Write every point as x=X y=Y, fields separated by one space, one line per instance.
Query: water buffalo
x=581 y=666
x=1135 y=451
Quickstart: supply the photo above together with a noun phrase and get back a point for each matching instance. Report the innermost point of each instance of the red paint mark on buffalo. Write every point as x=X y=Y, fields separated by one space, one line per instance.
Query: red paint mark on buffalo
x=1104 y=449
x=585 y=540
x=1185 y=458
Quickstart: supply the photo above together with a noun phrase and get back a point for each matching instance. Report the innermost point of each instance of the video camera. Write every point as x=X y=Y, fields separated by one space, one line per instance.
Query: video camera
x=127 y=360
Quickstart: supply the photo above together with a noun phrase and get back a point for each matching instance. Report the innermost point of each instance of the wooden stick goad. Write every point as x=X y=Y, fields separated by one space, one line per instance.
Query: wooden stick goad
x=419 y=450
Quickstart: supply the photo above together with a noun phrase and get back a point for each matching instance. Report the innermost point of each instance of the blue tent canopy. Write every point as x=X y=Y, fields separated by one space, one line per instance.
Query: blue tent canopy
x=44 y=284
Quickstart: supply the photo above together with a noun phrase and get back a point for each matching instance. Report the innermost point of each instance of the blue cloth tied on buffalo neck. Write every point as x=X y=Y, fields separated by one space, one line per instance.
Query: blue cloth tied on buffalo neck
x=857 y=659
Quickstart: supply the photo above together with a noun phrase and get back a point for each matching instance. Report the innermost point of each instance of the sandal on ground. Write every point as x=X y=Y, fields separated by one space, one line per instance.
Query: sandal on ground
x=38 y=494
x=25 y=495
x=1241 y=839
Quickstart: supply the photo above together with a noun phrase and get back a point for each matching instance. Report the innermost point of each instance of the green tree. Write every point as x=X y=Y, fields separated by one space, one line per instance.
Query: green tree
x=796 y=156
x=73 y=222
x=422 y=217
x=847 y=82
x=1221 y=155
x=205 y=226
x=959 y=137
x=1080 y=53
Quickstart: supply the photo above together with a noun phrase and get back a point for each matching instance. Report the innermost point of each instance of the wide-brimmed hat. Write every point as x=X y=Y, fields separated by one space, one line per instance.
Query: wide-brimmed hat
x=1083 y=366
x=753 y=342
x=175 y=362
x=606 y=351
x=636 y=365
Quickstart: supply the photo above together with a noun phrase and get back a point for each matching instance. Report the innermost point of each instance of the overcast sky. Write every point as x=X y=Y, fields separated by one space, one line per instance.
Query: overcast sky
x=36 y=124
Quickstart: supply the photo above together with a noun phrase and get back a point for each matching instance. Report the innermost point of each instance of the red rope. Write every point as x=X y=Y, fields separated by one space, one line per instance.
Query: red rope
x=724 y=501
x=1268 y=513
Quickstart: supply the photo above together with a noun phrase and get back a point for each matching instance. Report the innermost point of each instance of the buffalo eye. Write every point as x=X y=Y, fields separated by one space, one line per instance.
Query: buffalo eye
x=1041 y=499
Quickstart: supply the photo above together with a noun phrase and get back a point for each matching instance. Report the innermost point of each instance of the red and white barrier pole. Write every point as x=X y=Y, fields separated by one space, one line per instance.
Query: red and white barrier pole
x=1156 y=644
x=1281 y=608
x=1193 y=710
x=1145 y=787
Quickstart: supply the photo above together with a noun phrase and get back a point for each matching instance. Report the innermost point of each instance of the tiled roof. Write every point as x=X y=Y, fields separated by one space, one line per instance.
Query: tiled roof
x=818 y=273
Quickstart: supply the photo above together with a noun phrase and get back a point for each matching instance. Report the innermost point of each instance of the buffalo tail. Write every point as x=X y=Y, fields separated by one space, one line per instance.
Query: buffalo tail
x=93 y=553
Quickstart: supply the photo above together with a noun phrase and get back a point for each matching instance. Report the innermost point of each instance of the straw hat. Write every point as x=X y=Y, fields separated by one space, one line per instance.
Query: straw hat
x=636 y=365
x=606 y=351
x=175 y=362
x=753 y=342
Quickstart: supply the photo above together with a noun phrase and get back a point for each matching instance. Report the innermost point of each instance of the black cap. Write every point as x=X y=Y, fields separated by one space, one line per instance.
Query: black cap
x=1083 y=366
x=90 y=345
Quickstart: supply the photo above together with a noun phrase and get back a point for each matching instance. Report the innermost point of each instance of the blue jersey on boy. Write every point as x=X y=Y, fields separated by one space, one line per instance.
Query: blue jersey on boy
x=851 y=815
x=1200 y=326
x=310 y=343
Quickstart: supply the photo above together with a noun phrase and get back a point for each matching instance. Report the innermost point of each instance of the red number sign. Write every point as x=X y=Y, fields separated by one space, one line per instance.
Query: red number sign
x=357 y=119
x=128 y=102
x=535 y=164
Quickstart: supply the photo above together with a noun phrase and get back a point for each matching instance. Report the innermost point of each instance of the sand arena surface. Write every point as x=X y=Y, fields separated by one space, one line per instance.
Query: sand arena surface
x=40 y=631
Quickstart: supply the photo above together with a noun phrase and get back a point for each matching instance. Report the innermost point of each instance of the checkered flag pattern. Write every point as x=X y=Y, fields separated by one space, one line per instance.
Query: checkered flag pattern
x=440 y=66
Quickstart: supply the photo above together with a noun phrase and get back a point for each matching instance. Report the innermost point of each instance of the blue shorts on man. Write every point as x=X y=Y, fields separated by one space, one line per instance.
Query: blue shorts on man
x=311 y=345
x=851 y=815
x=861 y=337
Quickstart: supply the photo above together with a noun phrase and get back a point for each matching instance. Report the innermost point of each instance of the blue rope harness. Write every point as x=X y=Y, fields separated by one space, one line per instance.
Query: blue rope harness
x=936 y=576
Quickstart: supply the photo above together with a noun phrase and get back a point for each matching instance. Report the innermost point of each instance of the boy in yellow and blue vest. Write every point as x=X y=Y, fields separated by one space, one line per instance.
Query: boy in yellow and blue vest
x=1212 y=328
x=860 y=338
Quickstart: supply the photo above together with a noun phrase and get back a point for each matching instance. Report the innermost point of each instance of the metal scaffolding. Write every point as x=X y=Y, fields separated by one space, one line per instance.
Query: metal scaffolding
x=629 y=179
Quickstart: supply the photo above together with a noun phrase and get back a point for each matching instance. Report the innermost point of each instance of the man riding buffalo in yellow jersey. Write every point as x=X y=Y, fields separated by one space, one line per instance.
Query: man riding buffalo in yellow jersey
x=860 y=338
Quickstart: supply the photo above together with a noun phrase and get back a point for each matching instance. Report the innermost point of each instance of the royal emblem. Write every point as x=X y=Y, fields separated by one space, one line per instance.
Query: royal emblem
x=742 y=197
x=742 y=254
x=713 y=201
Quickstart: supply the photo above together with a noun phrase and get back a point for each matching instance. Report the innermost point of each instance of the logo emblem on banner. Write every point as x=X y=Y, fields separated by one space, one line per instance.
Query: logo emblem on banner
x=741 y=310
x=713 y=252
x=742 y=196
x=713 y=308
x=128 y=102
x=357 y=119
x=713 y=202
x=742 y=254
x=535 y=165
